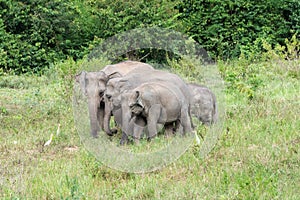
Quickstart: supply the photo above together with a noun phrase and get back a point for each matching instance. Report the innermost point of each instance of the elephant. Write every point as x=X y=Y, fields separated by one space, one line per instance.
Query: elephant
x=93 y=85
x=90 y=84
x=116 y=88
x=160 y=102
x=203 y=104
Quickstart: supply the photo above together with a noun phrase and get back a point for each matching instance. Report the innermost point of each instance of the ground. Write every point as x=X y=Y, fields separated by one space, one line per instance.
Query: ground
x=256 y=157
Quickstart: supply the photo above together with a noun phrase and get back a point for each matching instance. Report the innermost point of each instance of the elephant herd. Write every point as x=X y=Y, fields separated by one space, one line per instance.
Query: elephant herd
x=141 y=99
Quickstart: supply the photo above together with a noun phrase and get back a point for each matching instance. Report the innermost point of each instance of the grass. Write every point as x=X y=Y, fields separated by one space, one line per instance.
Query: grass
x=257 y=156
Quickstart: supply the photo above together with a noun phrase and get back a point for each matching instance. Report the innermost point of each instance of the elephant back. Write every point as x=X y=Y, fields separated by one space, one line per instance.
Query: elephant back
x=125 y=67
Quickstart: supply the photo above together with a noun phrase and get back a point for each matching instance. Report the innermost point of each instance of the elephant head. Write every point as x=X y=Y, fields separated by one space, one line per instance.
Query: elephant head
x=115 y=87
x=93 y=85
x=135 y=103
x=203 y=104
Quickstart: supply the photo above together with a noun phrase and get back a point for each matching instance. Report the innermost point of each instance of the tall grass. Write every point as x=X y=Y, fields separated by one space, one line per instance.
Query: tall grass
x=257 y=156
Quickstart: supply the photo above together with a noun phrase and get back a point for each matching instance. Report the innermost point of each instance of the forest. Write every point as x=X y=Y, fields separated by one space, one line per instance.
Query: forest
x=37 y=33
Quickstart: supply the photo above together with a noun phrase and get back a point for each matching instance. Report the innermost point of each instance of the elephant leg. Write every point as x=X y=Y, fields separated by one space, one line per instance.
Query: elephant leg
x=153 y=117
x=93 y=114
x=190 y=117
x=178 y=127
x=138 y=128
x=126 y=118
x=100 y=115
x=117 y=119
x=107 y=116
x=169 y=129
x=185 y=121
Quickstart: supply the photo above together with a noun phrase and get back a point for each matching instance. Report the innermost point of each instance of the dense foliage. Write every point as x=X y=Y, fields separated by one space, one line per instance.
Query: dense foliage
x=228 y=27
x=36 y=33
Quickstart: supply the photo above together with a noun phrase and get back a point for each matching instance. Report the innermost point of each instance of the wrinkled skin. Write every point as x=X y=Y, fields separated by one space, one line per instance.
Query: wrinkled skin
x=117 y=86
x=203 y=104
x=93 y=85
x=160 y=103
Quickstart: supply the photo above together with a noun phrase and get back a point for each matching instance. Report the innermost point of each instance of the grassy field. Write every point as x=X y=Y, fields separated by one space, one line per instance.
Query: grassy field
x=256 y=157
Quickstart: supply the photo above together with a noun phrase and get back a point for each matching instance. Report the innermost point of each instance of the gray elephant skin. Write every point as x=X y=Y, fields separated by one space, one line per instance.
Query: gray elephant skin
x=118 y=86
x=160 y=103
x=203 y=104
x=93 y=85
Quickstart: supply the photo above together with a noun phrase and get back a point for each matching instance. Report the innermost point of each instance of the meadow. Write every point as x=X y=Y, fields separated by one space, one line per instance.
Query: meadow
x=256 y=157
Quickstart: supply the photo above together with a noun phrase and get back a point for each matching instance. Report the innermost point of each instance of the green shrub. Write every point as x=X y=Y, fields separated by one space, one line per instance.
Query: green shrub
x=227 y=28
x=243 y=75
x=36 y=33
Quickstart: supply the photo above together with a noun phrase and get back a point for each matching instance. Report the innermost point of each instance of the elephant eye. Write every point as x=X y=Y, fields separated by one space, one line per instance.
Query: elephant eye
x=101 y=93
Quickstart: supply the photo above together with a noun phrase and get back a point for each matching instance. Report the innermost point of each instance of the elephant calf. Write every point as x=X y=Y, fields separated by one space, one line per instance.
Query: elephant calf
x=160 y=102
x=203 y=104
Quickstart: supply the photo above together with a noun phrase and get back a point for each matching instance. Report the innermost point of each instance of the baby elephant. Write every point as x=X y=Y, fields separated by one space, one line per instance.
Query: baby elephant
x=160 y=102
x=203 y=104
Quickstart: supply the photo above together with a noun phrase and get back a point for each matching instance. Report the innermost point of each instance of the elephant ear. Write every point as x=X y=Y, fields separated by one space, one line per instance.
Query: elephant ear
x=102 y=76
x=79 y=76
x=114 y=75
x=139 y=99
x=81 y=79
x=123 y=85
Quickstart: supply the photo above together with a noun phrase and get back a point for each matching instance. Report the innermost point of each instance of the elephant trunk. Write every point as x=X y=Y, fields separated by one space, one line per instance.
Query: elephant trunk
x=93 y=110
x=107 y=116
x=126 y=129
x=126 y=117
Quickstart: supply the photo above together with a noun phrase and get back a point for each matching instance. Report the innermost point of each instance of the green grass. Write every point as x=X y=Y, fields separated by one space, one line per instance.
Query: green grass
x=257 y=156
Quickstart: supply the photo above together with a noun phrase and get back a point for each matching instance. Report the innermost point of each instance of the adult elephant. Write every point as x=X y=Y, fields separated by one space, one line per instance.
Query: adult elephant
x=93 y=85
x=117 y=86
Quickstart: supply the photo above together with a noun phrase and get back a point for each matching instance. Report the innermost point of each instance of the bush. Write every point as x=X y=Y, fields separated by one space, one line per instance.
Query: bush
x=244 y=75
x=37 y=33
x=225 y=28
